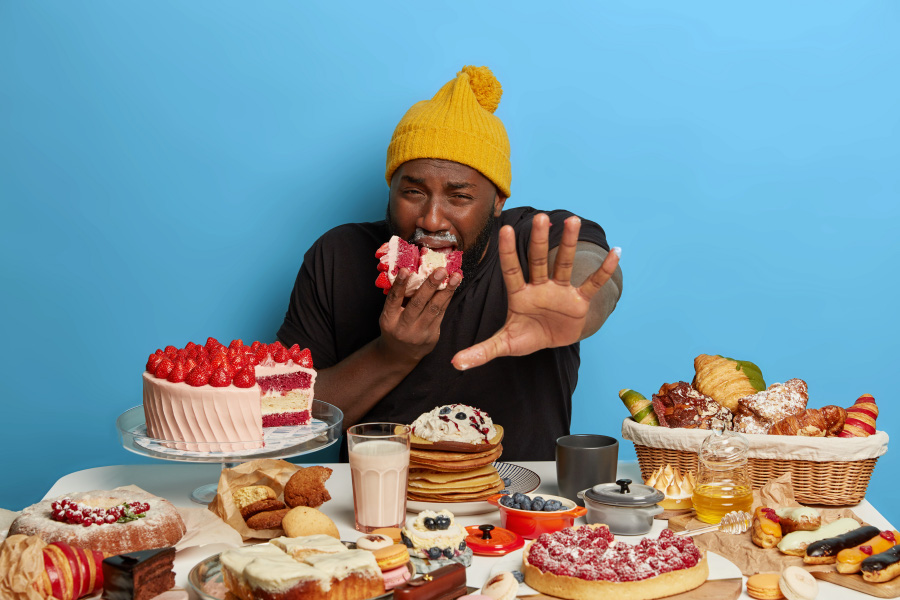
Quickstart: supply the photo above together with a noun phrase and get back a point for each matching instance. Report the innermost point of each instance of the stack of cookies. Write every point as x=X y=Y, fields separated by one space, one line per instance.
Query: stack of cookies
x=451 y=451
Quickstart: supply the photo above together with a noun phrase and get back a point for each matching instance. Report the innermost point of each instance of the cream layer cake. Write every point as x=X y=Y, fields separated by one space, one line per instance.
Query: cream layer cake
x=218 y=399
x=396 y=254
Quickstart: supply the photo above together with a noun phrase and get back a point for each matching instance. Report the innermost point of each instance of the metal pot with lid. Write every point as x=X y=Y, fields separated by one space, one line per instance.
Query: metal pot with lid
x=626 y=508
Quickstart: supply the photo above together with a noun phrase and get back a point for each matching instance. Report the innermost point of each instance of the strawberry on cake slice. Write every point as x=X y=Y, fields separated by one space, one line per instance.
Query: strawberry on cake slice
x=396 y=254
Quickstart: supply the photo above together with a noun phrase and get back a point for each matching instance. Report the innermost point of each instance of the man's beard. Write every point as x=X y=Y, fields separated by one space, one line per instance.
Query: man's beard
x=471 y=256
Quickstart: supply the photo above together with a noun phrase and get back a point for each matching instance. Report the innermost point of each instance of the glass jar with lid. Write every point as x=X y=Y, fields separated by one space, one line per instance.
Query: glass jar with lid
x=723 y=484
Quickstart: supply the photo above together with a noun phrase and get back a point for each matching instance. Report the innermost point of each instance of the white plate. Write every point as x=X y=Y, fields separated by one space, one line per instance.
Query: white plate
x=719 y=568
x=521 y=480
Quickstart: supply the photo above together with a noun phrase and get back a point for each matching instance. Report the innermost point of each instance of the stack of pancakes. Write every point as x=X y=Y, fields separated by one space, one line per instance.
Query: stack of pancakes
x=453 y=471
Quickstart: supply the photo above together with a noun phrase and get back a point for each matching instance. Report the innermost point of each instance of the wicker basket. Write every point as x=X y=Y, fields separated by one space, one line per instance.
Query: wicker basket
x=827 y=471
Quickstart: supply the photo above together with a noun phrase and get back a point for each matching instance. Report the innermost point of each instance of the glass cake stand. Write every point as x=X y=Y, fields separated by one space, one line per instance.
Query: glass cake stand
x=279 y=442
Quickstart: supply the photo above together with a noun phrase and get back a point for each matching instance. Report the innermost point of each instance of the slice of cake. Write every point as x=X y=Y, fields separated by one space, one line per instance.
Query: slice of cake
x=215 y=398
x=139 y=575
x=396 y=254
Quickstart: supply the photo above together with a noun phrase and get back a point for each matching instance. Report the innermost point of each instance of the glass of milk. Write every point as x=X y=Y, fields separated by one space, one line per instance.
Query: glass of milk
x=379 y=466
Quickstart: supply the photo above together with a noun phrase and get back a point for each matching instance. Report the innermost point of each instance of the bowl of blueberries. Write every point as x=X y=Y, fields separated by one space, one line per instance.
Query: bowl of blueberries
x=530 y=515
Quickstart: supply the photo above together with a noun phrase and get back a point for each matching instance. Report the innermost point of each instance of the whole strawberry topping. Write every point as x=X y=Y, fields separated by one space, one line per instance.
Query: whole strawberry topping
x=198 y=377
x=245 y=378
x=164 y=367
x=171 y=351
x=281 y=354
x=236 y=344
x=220 y=378
x=178 y=373
x=153 y=362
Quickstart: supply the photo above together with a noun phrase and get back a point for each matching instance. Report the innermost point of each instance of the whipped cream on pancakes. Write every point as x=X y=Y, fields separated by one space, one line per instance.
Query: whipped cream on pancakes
x=455 y=423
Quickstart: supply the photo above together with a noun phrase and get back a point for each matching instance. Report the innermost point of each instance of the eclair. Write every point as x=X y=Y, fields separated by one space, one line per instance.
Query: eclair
x=850 y=559
x=798 y=518
x=824 y=552
x=795 y=543
x=766 y=531
x=882 y=567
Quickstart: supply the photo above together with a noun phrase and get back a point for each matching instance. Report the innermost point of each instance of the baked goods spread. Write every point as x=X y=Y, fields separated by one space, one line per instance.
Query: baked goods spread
x=216 y=398
x=139 y=575
x=267 y=571
x=586 y=563
x=100 y=520
x=397 y=253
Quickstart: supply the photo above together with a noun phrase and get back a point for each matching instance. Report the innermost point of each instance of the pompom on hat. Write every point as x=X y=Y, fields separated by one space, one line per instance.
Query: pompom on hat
x=457 y=124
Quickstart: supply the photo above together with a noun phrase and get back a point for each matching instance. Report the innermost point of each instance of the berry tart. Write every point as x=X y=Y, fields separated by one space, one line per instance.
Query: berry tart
x=108 y=521
x=586 y=563
x=218 y=398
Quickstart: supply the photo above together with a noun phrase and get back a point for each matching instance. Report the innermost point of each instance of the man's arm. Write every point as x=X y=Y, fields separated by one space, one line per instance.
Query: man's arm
x=588 y=259
x=408 y=334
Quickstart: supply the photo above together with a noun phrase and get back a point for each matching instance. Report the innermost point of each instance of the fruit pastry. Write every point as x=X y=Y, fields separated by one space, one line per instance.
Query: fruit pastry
x=824 y=552
x=794 y=544
x=680 y=405
x=678 y=488
x=798 y=518
x=850 y=559
x=56 y=570
x=757 y=413
x=881 y=567
x=396 y=254
x=640 y=408
x=766 y=531
x=860 y=418
x=727 y=380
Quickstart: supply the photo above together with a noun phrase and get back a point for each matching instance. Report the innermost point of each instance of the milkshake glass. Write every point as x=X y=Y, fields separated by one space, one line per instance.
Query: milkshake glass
x=379 y=468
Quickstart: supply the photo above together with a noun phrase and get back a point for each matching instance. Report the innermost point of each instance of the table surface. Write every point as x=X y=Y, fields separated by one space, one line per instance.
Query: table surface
x=175 y=482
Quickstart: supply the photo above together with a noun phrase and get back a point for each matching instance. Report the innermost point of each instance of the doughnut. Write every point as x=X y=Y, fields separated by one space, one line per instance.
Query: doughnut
x=824 y=552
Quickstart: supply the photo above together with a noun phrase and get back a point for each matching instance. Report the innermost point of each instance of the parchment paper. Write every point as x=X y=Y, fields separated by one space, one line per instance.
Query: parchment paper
x=749 y=557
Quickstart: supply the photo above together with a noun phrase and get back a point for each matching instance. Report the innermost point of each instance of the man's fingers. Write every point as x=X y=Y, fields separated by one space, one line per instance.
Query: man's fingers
x=393 y=306
x=421 y=300
x=538 y=248
x=434 y=309
x=479 y=354
x=509 y=261
x=565 y=256
x=599 y=277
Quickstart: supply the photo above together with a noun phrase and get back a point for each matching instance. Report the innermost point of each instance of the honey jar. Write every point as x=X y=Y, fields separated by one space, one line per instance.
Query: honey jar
x=723 y=484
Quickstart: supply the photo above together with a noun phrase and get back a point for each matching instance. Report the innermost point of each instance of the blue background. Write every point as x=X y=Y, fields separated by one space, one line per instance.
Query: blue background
x=164 y=166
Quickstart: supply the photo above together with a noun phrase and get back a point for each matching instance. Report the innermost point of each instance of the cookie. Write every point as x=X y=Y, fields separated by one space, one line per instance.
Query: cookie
x=303 y=520
x=244 y=496
x=261 y=506
x=270 y=519
x=306 y=487
x=764 y=586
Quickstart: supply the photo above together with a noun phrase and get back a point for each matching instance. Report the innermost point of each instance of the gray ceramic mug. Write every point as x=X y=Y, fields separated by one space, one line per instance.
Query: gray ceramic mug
x=583 y=460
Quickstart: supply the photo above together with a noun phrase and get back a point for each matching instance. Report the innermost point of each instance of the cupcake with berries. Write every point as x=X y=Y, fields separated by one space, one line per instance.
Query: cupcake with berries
x=434 y=540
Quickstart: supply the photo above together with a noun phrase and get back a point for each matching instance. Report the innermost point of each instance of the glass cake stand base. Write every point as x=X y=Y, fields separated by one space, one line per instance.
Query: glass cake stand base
x=278 y=442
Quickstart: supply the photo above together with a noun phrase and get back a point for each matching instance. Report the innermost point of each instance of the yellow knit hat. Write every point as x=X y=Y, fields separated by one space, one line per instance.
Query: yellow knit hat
x=458 y=124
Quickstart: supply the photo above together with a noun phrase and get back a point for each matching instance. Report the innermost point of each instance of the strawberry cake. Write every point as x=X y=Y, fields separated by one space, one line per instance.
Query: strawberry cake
x=586 y=563
x=396 y=254
x=218 y=399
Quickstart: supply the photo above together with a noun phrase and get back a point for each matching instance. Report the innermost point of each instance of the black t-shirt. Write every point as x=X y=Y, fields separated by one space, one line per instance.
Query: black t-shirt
x=335 y=307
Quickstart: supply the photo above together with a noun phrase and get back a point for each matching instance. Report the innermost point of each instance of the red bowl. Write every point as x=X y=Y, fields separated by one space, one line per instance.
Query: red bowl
x=530 y=524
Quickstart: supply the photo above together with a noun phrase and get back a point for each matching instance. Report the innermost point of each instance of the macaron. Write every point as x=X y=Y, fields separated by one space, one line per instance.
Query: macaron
x=391 y=532
x=373 y=541
x=502 y=586
x=391 y=557
x=395 y=577
x=764 y=586
x=798 y=584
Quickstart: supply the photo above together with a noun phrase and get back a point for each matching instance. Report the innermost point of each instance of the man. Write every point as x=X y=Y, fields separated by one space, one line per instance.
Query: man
x=497 y=338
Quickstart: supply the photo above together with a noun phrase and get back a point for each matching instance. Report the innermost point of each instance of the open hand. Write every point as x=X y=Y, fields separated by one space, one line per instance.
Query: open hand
x=545 y=312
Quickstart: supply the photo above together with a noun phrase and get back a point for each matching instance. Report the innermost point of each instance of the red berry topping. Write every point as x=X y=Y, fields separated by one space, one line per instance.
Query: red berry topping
x=153 y=362
x=236 y=344
x=220 y=378
x=771 y=514
x=197 y=377
x=303 y=357
x=280 y=354
x=383 y=282
x=160 y=352
x=889 y=536
x=245 y=378
x=255 y=346
x=866 y=550
x=171 y=351
x=164 y=367
x=178 y=373
x=261 y=354
x=211 y=342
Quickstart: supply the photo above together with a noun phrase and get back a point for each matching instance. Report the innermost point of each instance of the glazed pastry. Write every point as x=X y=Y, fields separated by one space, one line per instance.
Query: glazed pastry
x=726 y=380
x=850 y=559
x=808 y=422
x=798 y=518
x=882 y=567
x=766 y=531
x=640 y=408
x=680 y=405
x=795 y=543
x=861 y=418
x=824 y=552
x=757 y=413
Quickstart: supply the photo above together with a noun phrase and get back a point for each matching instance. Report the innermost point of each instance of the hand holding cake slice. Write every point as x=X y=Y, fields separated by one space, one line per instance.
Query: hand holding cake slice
x=397 y=254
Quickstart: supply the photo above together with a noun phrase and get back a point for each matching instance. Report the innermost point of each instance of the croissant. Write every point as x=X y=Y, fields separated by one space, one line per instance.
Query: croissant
x=726 y=380
x=861 y=418
x=808 y=422
x=834 y=416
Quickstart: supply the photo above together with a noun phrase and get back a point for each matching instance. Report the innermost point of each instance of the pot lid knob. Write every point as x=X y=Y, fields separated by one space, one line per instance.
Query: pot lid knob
x=623 y=485
x=486 y=531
